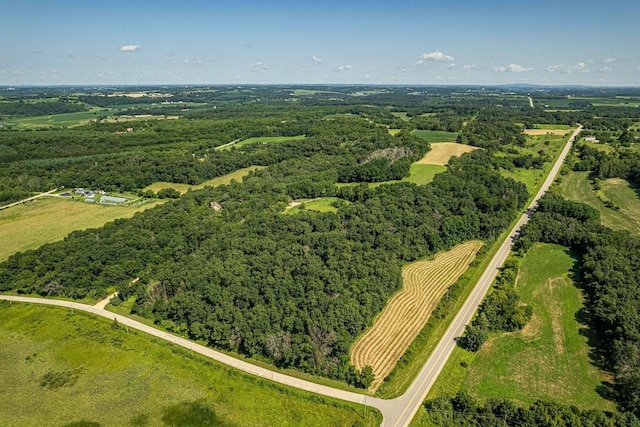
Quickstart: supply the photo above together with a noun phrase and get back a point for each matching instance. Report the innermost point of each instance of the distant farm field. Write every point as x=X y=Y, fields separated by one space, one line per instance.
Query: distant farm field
x=440 y=153
x=435 y=135
x=577 y=186
x=546 y=131
x=47 y=219
x=424 y=284
x=55 y=120
x=220 y=180
x=61 y=368
x=264 y=140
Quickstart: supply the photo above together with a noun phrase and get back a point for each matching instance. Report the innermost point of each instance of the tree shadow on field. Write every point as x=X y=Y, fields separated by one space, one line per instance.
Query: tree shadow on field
x=192 y=414
x=83 y=423
x=597 y=352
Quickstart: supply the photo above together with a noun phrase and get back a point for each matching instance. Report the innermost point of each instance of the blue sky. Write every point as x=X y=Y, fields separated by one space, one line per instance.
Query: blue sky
x=280 y=41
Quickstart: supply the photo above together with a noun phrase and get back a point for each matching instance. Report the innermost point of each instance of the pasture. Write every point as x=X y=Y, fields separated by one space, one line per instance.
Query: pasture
x=322 y=204
x=435 y=135
x=546 y=131
x=549 y=358
x=47 y=219
x=220 y=180
x=424 y=284
x=263 y=140
x=440 y=153
x=55 y=120
x=64 y=368
x=577 y=186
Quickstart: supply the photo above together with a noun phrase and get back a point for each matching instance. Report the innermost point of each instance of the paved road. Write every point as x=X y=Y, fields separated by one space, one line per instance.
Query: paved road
x=408 y=403
x=396 y=412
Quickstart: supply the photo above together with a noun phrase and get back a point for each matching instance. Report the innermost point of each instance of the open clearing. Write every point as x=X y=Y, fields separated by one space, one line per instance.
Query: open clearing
x=60 y=368
x=424 y=284
x=440 y=153
x=435 y=135
x=47 y=219
x=322 y=204
x=549 y=358
x=536 y=132
x=577 y=186
x=220 y=180
x=264 y=140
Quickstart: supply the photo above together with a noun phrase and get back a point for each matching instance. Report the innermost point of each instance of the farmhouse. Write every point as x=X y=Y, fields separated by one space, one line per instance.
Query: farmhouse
x=591 y=139
x=110 y=200
x=215 y=206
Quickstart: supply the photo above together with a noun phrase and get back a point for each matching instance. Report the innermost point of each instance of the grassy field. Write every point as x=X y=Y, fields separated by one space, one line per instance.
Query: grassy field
x=394 y=132
x=401 y=114
x=435 y=135
x=440 y=153
x=47 y=219
x=549 y=358
x=418 y=174
x=535 y=144
x=547 y=131
x=56 y=120
x=552 y=126
x=264 y=140
x=61 y=368
x=424 y=284
x=577 y=186
x=220 y=180
x=322 y=204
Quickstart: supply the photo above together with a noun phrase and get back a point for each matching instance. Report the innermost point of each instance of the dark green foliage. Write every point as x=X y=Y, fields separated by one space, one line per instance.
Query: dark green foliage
x=501 y=310
x=294 y=289
x=464 y=410
x=33 y=109
x=57 y=379
x=169 y=193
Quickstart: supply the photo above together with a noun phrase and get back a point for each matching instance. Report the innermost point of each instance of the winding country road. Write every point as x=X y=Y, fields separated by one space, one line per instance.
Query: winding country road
x=396 y=412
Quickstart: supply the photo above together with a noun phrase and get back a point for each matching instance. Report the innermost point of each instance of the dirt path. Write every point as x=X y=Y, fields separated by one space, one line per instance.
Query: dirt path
x=103 y=303
x=28 y=199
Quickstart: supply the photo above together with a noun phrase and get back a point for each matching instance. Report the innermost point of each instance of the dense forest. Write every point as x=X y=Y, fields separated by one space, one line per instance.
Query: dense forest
x=292 y=289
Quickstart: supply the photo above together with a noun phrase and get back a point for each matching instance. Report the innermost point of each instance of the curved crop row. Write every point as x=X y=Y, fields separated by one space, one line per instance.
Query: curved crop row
x=406 y=313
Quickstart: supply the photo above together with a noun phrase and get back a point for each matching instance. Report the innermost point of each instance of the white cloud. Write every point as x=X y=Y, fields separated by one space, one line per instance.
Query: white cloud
x=609 y=60
x=512 y=68
x=187 y=61
x=367 y=76
x=341 y=68
x=580 y=67
x=130 y=47
x=466 y=67
x=434 y=56
x=260 y=66
x=606 y=69
x=317 y=59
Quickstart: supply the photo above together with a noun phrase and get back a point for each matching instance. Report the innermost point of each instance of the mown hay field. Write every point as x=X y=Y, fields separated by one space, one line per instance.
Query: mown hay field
x=424 y=284
x=221 y=180
x=441 y=152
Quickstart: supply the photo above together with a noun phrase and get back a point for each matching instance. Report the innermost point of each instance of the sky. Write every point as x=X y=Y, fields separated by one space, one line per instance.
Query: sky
x=544 y=42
